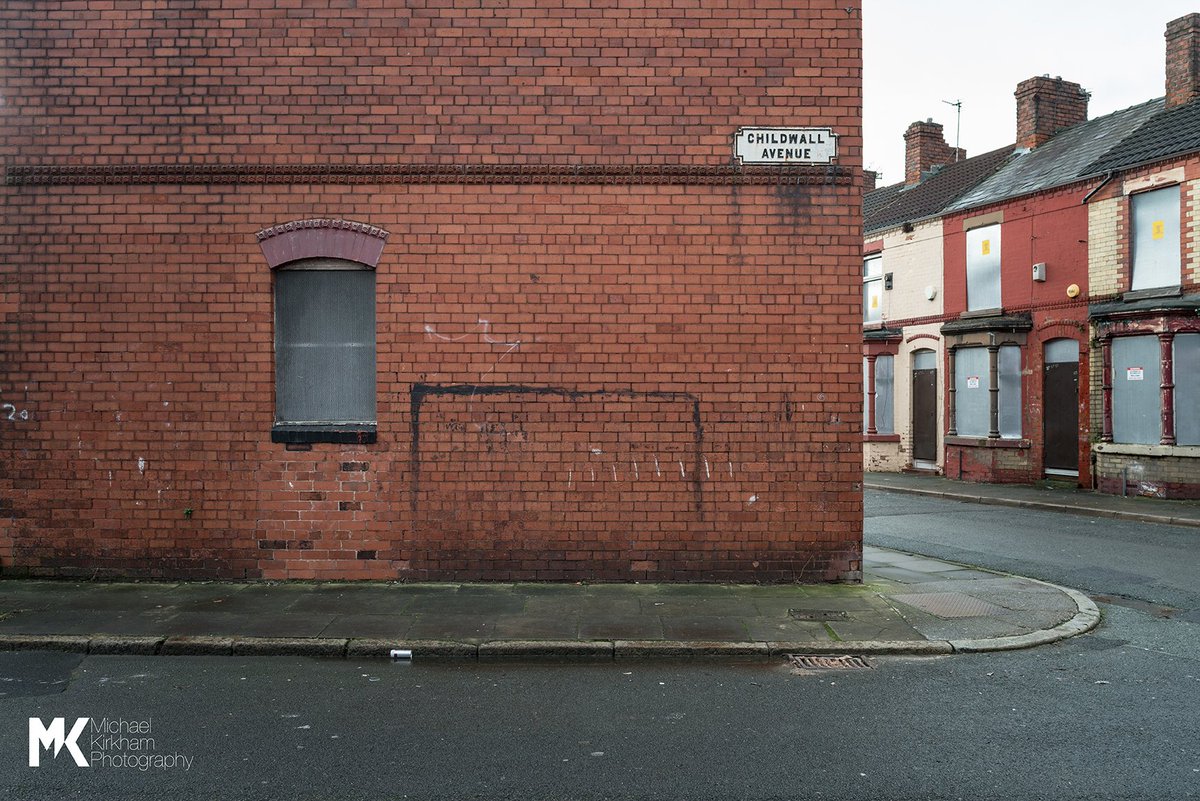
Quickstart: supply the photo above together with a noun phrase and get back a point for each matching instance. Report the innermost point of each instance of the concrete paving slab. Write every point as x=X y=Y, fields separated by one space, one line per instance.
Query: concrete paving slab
x=704 y=628
x=792 y=630
x=367 y=626
x=452 y=626
x=601 y=627
x=537 y=627
x=271 y=624
x=468 y=603
x=85 y=622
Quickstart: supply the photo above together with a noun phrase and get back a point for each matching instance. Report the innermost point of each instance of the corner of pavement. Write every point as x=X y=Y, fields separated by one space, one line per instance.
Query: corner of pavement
x=906 y=604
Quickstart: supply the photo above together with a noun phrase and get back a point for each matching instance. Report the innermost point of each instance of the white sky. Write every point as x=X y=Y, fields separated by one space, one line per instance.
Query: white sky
x=917 y=53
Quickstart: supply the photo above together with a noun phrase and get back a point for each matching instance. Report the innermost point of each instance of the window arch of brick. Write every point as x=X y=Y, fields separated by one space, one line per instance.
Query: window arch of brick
x=325 y=368
x=322 y=238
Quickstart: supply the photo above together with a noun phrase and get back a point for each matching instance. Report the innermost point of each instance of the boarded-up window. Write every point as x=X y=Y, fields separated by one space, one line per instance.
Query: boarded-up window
x=324 y=343
x=1155 y=238
x=873 y=289
x=885 y=366
x=983 y=268
x=1009 y=377
x=972 y=407
x=973 y=397
x=1187 y=389
x=1136 y=394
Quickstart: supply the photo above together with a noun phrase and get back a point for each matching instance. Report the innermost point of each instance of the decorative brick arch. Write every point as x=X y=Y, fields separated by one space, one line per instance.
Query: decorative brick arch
x=916 y=337
x=322 y=238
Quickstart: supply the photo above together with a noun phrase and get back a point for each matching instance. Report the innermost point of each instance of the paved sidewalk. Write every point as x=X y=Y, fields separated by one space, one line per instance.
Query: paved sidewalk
x=1041 y=496
x=907 y=604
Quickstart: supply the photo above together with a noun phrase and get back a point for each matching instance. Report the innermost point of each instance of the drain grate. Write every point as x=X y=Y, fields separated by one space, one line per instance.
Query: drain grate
x=828 y=662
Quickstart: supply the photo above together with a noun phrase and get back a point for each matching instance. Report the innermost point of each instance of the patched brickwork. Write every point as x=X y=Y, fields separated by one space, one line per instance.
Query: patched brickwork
x=611 y=376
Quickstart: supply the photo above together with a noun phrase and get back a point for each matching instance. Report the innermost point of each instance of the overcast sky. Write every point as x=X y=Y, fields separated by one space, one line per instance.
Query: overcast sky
x=917 y=53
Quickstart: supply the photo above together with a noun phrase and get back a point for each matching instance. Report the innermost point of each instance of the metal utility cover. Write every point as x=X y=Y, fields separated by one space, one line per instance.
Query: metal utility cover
x=949 y=604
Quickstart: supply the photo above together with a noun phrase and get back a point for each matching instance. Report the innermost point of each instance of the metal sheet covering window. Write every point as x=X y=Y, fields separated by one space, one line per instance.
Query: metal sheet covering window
x=324 y=343
x=873 y=289
x=1136 y=393
x=1187 y=389
x=973 y=397
x=972 y=406
x=1155 y=238
x=884 y=394
x=983 y=268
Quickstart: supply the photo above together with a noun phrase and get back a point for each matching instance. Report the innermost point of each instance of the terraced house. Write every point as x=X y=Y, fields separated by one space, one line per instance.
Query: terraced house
x=1068 y=272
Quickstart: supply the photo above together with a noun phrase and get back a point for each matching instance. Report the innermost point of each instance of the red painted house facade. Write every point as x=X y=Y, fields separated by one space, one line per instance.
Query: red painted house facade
x=1031 y=346
x=397 y=291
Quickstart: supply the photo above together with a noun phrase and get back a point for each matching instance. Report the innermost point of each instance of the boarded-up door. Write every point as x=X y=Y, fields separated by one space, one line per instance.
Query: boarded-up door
x=924 y=406
x=1061 y=404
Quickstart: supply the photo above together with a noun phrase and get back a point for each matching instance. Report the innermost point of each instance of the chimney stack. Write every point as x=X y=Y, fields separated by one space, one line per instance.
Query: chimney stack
x=1183 y=60
x=870 y=178
x=1046 y=106
x=925 y=148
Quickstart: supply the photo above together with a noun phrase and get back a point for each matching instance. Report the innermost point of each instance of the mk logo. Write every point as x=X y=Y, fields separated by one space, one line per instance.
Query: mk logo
x=41 y=736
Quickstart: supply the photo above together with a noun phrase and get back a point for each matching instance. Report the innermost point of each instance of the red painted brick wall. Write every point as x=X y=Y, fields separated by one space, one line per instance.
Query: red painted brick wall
x=1049 y=227
x=685 y=400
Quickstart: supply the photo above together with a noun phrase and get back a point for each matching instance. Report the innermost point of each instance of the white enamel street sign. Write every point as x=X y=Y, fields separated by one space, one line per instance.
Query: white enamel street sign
x=785 y=145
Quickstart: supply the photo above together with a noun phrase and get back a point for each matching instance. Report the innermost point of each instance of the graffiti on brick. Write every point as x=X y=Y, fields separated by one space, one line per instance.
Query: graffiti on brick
x=12 y=413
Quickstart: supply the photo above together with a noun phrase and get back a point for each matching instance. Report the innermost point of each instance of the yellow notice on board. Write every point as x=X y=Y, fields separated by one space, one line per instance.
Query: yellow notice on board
x=1158 y=229
x=987 y=247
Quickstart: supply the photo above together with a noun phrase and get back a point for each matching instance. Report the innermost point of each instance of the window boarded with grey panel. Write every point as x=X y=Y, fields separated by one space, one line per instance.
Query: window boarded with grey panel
x=1136 y=396
x=972 y=407
x=885 y=367
x=1009 y=403
x=324 y=345
x=1155 y=238
x=1060 y=351
x=1187 y=389
x=983 y=268
x=924 y=360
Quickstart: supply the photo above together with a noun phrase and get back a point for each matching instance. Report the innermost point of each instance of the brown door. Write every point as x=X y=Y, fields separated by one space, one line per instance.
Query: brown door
x=924 y=406
x=1060 y=400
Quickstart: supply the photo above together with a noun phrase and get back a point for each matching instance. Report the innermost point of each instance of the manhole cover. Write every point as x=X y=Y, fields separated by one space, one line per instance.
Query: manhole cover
x=949 y=604
x=828 y=662
x=818 y=614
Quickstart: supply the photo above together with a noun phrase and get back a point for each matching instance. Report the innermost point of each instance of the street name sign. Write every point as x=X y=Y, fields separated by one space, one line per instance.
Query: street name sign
x=785 y=145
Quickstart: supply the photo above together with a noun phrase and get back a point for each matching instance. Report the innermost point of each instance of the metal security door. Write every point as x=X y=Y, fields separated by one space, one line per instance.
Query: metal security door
x=1060 y=401
x=924 y=407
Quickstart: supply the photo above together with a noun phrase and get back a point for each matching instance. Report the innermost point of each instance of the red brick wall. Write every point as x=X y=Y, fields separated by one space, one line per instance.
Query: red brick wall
x=685 y=401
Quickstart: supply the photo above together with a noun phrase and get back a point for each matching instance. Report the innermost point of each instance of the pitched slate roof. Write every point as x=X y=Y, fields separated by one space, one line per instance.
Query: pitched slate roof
x=1170 y=133
x=895 y=204
x=1060 y=161
x=876 y=199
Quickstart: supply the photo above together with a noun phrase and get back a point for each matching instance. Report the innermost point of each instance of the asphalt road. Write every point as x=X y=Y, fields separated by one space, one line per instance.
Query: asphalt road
x=1110 y=715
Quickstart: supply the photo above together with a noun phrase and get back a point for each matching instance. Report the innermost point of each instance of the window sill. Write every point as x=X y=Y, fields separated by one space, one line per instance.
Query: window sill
x=1153 y=292
x=355 y=434
x=881 y=437
x=987 y=442
x=1130 y=449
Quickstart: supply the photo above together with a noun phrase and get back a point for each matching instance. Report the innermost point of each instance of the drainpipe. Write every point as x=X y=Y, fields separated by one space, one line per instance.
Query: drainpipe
x=1099 y=186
